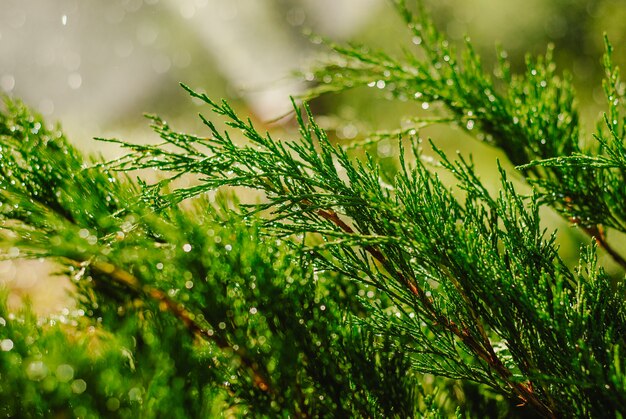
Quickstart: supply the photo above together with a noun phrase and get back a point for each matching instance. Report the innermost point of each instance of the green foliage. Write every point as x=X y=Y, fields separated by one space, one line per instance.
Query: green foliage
x=197 y=311
x=531 y=117
x=346 y=288
x=591 y=190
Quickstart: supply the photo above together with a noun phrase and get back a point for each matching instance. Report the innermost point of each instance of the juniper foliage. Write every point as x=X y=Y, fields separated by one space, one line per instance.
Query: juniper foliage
x=345 y=289
x=181 y=311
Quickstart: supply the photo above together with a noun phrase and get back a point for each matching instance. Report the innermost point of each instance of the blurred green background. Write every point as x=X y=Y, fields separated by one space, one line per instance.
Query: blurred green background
x=96 y=66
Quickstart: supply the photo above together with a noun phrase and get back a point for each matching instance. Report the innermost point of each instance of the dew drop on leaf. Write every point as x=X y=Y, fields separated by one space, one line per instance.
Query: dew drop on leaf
x=37 y=371
x=64 y=373
x=6 y=344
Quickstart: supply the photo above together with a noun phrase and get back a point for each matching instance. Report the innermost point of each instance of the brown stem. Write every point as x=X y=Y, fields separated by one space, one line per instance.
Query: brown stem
x=483 y=349
x=131 y=282
x=524 y=390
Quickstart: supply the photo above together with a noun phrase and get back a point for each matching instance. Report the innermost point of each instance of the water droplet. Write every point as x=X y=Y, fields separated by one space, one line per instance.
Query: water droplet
x=65 y=373
x=189 y=285
x=79 y=386
x=425 y=105
x=7 y=82
x=253 y=310
x=113 y=404
x=134 y=394
x=349 y=131
x=222 y=325
x=35 y=129
x=470 y=124
x=37 y=371
x=380 y=84
x=74 y=80
x=186 y=248
x=228 y=247
x=417 y=40
x=6 y=345
x=159 y=266
x=383 y=149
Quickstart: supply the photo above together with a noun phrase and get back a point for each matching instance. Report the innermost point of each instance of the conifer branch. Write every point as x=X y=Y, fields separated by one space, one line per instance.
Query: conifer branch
x=483 y=348
x=533 y=117
x=466 y=286
x=165 y=303
x=466 y=260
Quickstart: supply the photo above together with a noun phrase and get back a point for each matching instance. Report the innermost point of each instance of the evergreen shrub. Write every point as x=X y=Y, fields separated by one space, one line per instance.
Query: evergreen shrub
x=351 y=288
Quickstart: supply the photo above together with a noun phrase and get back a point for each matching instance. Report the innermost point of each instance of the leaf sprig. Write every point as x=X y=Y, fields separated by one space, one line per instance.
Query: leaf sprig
x=464 y=276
